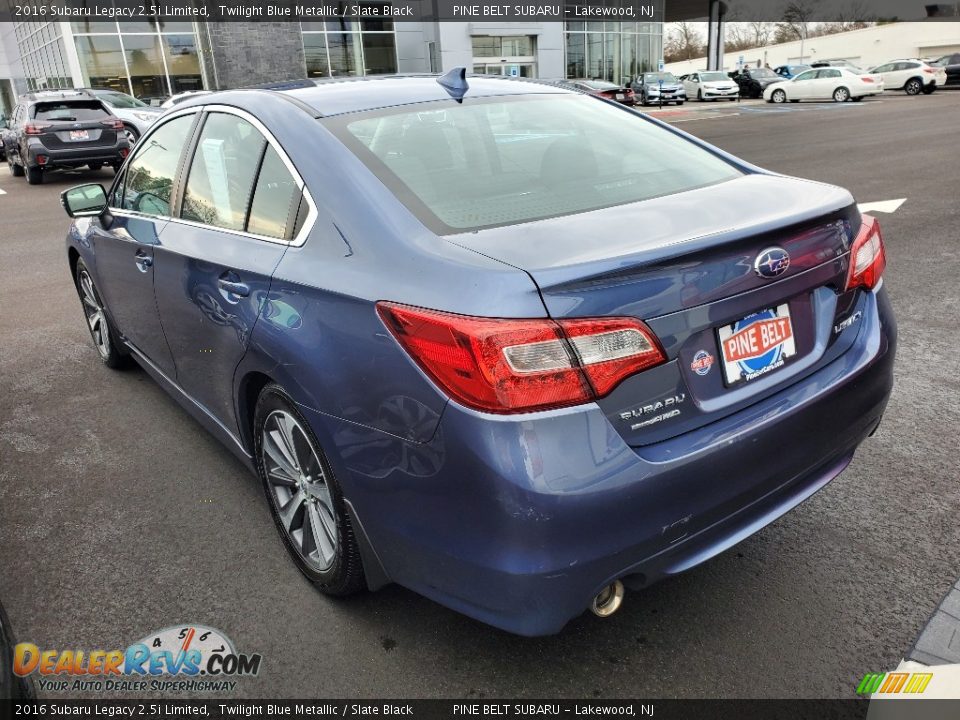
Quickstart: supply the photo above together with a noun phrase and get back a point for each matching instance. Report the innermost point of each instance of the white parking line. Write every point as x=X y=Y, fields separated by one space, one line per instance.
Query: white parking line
x=3 y=192
x=884 y=206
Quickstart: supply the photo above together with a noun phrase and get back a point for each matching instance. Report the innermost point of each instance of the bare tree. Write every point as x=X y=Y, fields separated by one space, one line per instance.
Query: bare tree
x=684 y=41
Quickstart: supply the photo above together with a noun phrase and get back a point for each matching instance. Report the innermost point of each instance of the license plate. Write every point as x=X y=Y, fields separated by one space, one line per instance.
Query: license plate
x=79 y=135
x=756 y=345
x=619 y=96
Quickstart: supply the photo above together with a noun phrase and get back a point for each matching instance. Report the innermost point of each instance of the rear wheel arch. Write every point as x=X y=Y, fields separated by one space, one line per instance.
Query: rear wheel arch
x=248 y=391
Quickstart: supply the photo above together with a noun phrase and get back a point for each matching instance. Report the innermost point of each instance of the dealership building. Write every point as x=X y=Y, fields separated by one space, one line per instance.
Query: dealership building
x=156 y=59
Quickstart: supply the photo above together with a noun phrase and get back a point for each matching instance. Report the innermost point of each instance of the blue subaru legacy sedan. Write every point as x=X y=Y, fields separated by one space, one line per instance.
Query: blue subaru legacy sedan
x=506 y=345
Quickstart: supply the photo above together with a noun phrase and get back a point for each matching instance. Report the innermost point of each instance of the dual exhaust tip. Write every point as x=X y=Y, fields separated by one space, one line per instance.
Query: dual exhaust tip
x=607 y=601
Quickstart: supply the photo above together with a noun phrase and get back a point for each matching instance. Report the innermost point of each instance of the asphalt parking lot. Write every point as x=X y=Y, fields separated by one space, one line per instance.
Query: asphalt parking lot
x=119 y=515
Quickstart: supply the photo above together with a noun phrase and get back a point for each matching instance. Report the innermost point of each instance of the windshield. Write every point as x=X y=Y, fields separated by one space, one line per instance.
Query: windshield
x=121 y=100
x=713 y=76
x=508 y=160
x=763 y=73
x=657 y=77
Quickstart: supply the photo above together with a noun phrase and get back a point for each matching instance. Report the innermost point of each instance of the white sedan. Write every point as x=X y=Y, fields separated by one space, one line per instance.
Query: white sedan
x=912 y=76
x=709 y=85
x=829 y=83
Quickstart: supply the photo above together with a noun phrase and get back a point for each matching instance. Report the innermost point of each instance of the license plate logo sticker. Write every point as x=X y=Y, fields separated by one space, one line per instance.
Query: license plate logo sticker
x=756 y=345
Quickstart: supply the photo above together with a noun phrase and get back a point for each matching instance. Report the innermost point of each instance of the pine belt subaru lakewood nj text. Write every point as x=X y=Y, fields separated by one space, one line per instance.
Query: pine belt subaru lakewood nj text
x=508 y=345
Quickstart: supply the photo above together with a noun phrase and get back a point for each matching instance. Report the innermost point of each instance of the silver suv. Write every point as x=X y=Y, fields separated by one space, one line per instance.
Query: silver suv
x=136 y=115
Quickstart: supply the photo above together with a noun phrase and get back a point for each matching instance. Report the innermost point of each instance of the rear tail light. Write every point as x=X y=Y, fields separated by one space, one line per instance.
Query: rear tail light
x=510 y=366
x=35 y=128
x=124 y=152
x=867 y=256
x=867 y=79
x=41 y=160
x=114 y=123
x=930 y=70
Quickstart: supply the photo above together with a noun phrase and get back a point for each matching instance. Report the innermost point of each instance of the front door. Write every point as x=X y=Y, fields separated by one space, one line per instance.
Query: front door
x=125 y=247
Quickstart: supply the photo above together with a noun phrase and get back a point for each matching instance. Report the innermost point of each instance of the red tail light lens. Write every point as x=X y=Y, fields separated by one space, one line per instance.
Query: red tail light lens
x=510 y=366
x=867 y=79
x=867 y=256
x=35 y=128
x=930 y=70
x=114 y=123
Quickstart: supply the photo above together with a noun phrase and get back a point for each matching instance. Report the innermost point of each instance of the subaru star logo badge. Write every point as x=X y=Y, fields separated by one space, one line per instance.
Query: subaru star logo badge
x=772 y=262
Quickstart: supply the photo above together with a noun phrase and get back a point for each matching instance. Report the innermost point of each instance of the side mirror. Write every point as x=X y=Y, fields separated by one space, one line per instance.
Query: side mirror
x=84 y=200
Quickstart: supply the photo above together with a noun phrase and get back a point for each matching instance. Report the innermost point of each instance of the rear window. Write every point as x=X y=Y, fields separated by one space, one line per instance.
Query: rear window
x=503 y=161
x=70 y=110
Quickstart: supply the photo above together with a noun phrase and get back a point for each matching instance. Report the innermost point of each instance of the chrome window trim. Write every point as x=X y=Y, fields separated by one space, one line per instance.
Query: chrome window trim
x=312 y=213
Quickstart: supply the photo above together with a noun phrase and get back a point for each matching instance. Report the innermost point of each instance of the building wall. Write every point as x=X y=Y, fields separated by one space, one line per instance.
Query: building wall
x=11 y=73
x=250 y=53
x=866 y=48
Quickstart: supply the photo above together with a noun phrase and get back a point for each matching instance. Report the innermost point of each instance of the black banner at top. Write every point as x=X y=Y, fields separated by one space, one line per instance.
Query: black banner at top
x=811 y=11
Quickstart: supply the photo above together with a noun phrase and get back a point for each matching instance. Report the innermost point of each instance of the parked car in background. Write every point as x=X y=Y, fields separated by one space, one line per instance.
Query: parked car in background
x=12 y=686
x=710 y=85
x=180 y=97
x=836 y=63
x=55 y=129
x=655 y=87
x=136 y=115
x=950 y=65
x=753 y=81
x=789 y=71
x=911 y=76
x=154 y=100
x=3 y=131
x=455 y=364
x=602 y=88
x=826 y=83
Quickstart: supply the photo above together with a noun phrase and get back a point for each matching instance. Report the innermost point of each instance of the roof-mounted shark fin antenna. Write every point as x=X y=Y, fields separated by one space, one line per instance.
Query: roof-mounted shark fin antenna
x=455 y=83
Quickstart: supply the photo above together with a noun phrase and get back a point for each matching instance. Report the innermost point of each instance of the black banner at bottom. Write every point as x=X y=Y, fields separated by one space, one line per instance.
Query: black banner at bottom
x=457 y=709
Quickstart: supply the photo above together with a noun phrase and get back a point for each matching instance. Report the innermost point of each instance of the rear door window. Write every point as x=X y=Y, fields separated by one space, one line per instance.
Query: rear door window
x=272 y=210
x=72 y=111
x=222 y=173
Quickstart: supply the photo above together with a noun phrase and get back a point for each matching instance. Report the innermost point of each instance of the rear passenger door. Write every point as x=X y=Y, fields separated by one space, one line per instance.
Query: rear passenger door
x=235 y=218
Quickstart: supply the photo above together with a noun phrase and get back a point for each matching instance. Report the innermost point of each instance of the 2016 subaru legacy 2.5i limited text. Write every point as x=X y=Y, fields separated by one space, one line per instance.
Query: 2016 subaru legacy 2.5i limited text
x=498 y=342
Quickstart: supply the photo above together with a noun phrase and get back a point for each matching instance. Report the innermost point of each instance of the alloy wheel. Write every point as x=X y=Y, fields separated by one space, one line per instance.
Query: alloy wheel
x=841 y=94
x=96 y=319
x=299 y=491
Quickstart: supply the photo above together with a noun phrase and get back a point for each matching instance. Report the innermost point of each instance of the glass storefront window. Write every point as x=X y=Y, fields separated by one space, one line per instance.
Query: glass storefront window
x=379 y=54
x=345 y=52
x=145 y=65
x=315 y=53
x=101 y=61
x=183 y=62
x=93 y=26
x=576 y=58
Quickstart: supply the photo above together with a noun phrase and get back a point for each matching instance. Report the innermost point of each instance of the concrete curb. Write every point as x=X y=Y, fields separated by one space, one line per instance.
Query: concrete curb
x=939 y=643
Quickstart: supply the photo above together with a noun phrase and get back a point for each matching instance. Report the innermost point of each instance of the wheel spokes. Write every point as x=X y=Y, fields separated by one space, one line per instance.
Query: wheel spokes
x=322 y=532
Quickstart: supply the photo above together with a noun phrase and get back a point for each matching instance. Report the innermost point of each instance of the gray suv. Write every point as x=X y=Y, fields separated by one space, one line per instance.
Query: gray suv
x=62 y=129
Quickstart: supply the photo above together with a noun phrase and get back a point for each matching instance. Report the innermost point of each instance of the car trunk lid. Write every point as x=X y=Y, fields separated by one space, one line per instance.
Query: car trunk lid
x=686 y=264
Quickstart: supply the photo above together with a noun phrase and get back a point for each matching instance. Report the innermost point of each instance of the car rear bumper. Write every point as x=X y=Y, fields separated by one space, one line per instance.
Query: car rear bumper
x=75 y=158
x=522 y=520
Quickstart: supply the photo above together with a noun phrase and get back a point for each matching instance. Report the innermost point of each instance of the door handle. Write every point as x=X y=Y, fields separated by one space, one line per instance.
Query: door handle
x=143 y=261
x=233 y=287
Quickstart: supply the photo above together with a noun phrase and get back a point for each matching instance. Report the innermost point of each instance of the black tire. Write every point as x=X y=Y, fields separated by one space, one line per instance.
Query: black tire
x=116 y=168
x=699 y=95
x=913 y=86
x=95 y=166
x=841 y=94
x=778 y=96
x=679 y=103
x=929 y=89
x=112 y=352
x=15 y=170
x=344 y=575
x=34 y=175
